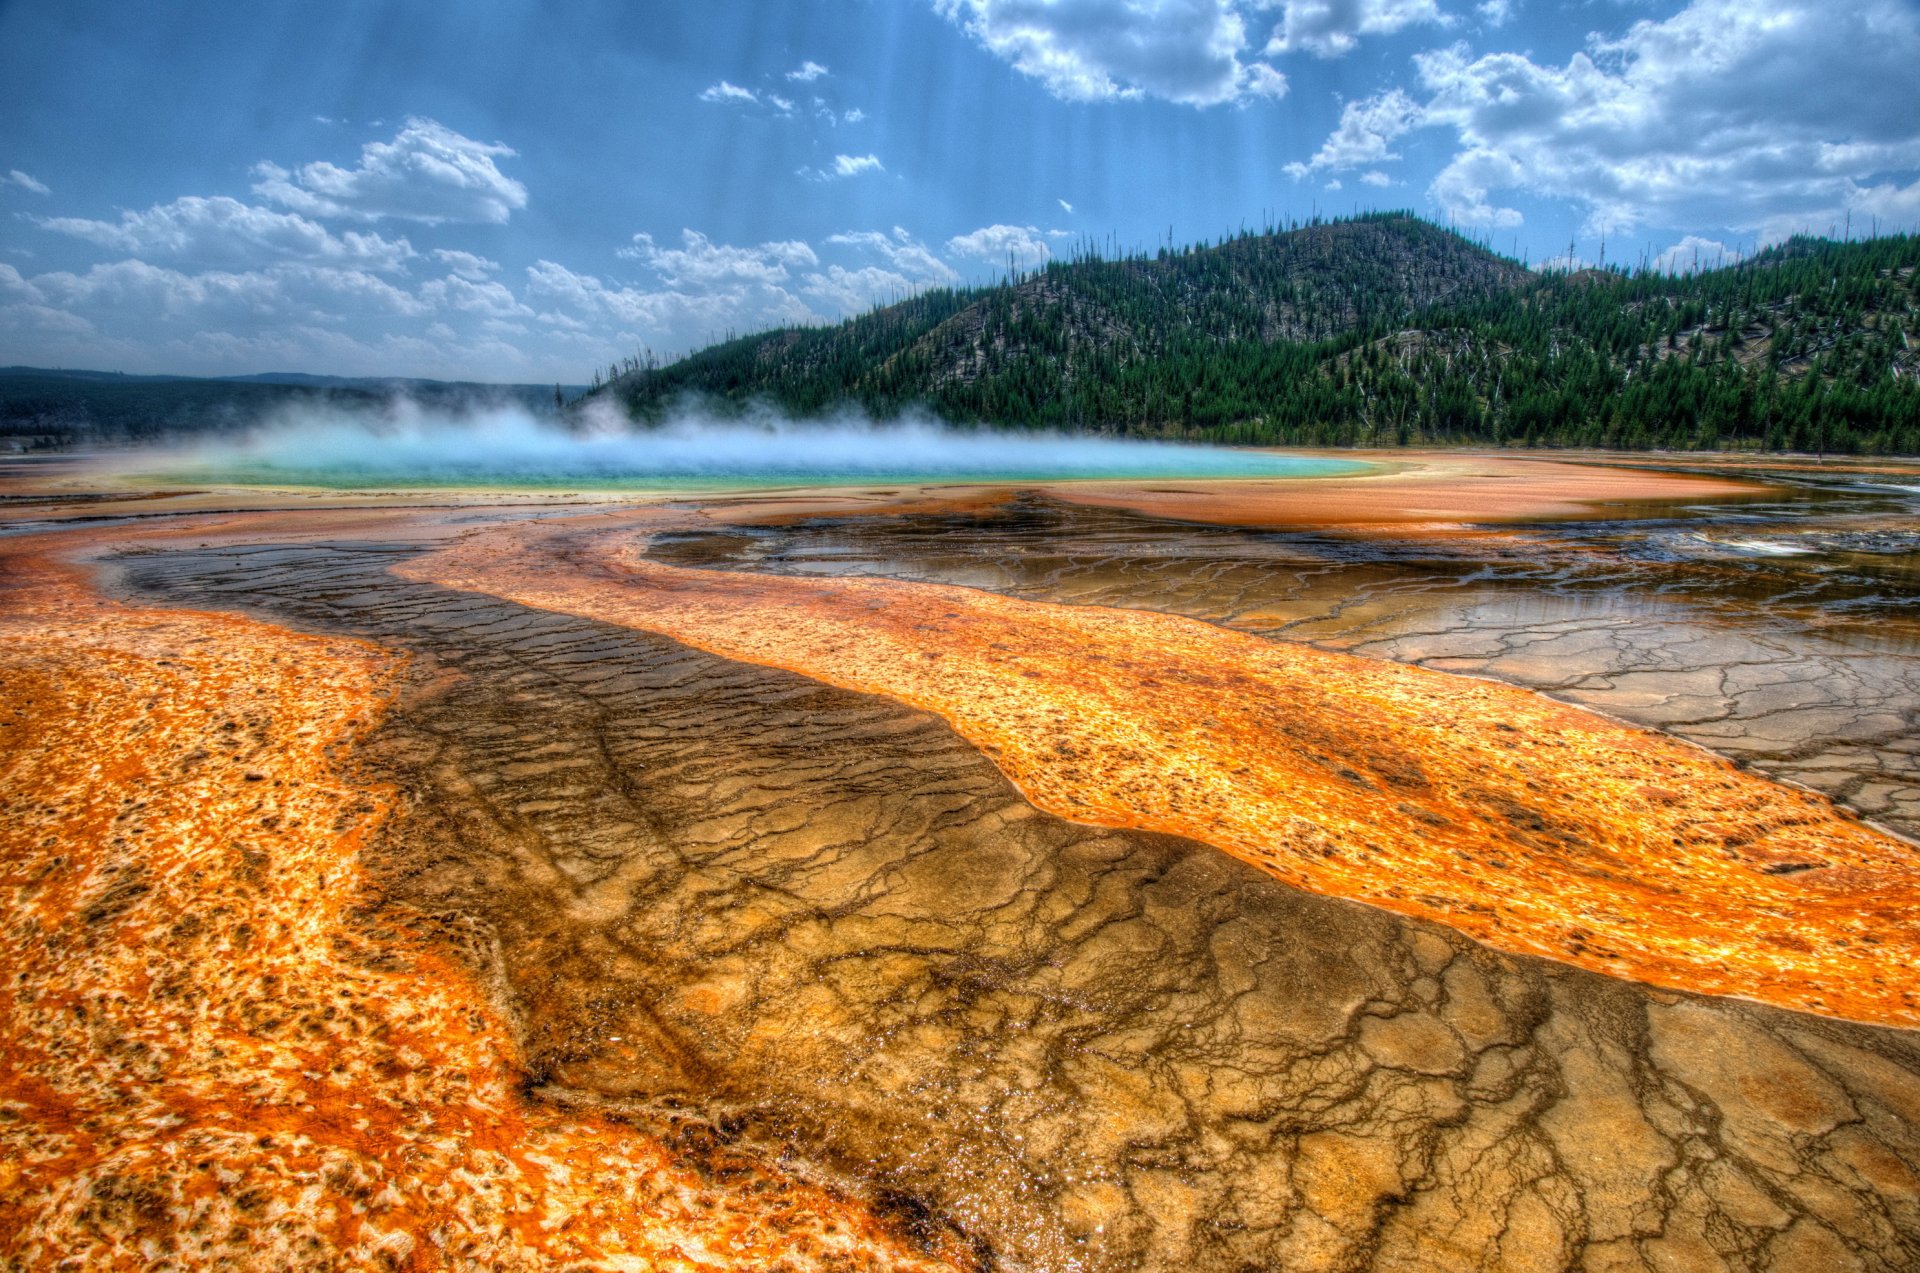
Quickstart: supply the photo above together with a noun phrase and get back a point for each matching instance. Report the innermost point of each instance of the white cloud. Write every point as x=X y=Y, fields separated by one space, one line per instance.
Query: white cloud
x=123 y=291
x=901 y=251
x=700 y=263
x=225 y=232
x=1065 y=206
x=1758 y=115
x=1330 y=28
x=851 y=291
x=1497 y=12
x=1365 y=134
x=725 y=92
x=845 y=166
x=705 y=289
x=729 y=94
x=26 y=182
x=426 y=173
x=141 y=316
x=473 y=297
x=807 y=72
x=1261 y=80
x=997 y=243
x=906 y=266
x=1694 y=253
x=853 y=116
x=14 y=287
x=1893 y=204
x=1379 y=179
x=465 y=264
x=1462 y=186
x=672 y=316
x=1187 y=51
x=43 y=321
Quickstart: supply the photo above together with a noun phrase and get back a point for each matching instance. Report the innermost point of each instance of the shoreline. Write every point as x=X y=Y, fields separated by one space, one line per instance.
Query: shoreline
x=1428 y=487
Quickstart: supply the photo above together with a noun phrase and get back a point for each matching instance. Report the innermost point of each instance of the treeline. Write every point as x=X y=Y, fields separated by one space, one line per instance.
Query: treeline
x=1380 y=330
x=51 y=410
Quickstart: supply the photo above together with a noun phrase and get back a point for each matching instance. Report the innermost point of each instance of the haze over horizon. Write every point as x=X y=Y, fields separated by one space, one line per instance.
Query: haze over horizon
x=407 y=190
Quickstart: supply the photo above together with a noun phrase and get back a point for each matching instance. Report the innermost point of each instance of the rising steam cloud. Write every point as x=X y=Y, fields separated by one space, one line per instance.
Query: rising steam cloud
x=406 y=445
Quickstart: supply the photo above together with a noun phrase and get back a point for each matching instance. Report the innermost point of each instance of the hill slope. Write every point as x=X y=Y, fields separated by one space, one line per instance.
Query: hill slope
x=1382 y=329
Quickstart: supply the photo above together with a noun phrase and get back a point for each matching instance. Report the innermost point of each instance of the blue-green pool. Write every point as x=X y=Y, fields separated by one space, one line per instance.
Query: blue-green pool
x=524 y=456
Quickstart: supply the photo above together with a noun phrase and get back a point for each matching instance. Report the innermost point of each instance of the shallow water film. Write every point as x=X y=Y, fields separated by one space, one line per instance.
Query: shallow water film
x=767 y=884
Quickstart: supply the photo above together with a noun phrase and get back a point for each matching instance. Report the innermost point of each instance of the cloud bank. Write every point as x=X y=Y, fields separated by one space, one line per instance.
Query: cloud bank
x=1762 y=116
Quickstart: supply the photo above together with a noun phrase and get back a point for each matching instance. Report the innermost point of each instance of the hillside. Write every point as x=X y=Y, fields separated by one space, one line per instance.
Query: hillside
x=1383 y=329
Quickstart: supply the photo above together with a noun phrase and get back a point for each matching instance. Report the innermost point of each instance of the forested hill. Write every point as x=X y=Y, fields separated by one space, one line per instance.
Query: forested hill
x=1380 y=330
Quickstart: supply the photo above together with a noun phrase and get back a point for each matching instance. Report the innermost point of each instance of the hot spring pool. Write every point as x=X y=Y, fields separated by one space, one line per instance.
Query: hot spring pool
x=516 y=454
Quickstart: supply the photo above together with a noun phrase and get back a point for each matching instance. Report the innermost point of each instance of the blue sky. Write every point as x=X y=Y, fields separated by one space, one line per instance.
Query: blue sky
x=517 y=191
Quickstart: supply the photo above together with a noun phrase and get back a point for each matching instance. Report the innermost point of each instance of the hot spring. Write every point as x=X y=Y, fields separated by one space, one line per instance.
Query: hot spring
x=507 y=450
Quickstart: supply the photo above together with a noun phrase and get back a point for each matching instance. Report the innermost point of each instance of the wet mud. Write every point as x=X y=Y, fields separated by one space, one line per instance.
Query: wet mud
x=820 y=922
x=219 y=1049
x=1784 y=635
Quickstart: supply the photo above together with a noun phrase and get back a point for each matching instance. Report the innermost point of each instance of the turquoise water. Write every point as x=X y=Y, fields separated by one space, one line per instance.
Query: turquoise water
x=710 y=457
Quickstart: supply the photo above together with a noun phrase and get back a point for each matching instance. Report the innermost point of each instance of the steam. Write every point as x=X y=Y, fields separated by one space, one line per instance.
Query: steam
x=407 y=445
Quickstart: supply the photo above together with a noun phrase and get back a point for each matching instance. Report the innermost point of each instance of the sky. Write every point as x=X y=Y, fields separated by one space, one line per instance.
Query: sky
x=513 y=191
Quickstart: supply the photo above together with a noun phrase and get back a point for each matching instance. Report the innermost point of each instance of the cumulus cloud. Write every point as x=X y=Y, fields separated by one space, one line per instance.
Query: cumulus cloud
x=700 y=263
x=1188 y=51
x=1000 y=243
x=902 y=252
x=225 y=232
x=427 y=173
x=1497 y=12
x=42 y=321
x=1749 y=114
x=703 y=289
x=1694 y=253
x=807 y=72
x=1365 y=134
x=485 y=297
x=852 y=290
x=725 y=92
x=904 y=265
x=678 y=313
x=25 y=181
x=465 y=264
x=128 y=289
x=1330 y=28
x=1261 y=80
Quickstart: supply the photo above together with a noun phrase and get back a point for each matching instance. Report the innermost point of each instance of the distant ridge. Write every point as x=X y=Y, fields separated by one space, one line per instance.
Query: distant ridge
x=304 y=379
x=1381 y=329
x=45 y=408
